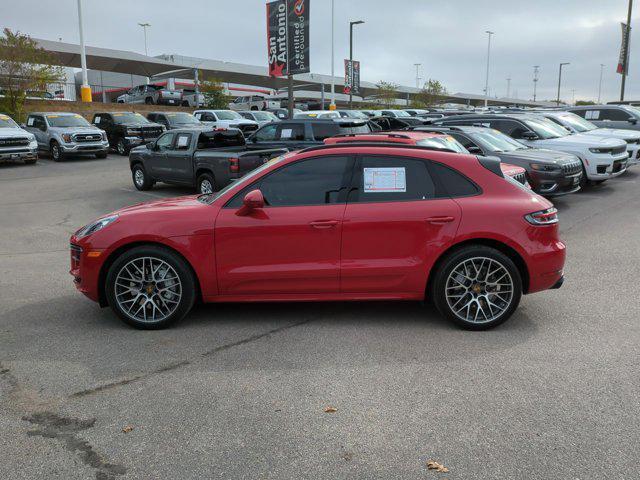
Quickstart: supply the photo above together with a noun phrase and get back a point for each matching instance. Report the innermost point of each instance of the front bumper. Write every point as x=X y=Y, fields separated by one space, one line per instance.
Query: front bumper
x=634 y=154
x=554 y=183
x=18 y=154
x=604 y=167
x=89 y=147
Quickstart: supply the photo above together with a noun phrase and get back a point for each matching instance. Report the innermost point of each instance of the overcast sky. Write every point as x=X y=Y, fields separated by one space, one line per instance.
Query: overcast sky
x=446 y=37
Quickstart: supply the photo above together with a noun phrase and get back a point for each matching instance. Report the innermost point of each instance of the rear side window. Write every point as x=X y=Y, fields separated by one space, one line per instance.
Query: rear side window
x=452 y=183
x=591 y=114
x=290 y=132
x=323 y=130
x=391 y=179
x=183 y=140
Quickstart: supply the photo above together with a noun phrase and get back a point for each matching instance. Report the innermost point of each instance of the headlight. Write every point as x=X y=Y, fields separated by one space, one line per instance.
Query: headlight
x=33 y=144
x=104 y=136
x=134 y=131
x=600 y=150
x=66 y=137
x=93 y=227
x=544 y=167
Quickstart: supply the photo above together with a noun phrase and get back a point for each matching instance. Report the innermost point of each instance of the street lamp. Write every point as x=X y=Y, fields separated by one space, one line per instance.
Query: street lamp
x=144 y=27
x=332 y=106
x=417 y=65
x=560 y=80
x=486 y=80
x=351 y=24
x=85 y=89
x=600 y=83
x=536 y=69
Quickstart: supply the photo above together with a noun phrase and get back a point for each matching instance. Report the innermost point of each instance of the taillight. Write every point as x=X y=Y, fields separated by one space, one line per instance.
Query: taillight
x=543 y=217
x=234 y=165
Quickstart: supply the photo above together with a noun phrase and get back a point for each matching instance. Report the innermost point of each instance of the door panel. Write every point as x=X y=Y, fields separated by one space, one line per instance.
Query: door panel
x=179 y=159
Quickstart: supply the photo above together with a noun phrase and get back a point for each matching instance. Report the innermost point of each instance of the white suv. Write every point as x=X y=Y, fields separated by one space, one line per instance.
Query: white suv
x=602 y=158
x=576 y=124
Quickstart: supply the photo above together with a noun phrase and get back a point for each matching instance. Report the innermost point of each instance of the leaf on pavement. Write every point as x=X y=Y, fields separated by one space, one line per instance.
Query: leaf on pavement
x=127 y=428
x=433 y=465
x=330 y=409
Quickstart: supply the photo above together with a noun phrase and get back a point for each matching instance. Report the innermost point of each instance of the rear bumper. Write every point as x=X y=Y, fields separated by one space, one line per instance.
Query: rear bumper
x=558 y=284
x=169 y=101
x=546 y=267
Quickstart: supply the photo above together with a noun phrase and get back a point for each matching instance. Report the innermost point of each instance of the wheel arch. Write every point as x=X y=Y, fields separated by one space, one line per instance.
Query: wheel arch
x=202 y=171
x=102 y=276
x=487 y=242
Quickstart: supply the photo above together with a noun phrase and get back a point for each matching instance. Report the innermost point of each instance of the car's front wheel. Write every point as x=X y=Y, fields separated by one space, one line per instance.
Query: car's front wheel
x=150 y=287
x=140 y=178
x=477 y=287
x=56 y=152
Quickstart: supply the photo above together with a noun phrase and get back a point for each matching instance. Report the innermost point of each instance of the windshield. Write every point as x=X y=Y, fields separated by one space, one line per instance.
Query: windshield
x=546 y=129
x=400 y=113
x=352 y=114
x=495 y=141
x=67 y=121
x=128 y=117
x=227 y=115
x=449 y=143
x=182 y=118
x=7 y=122
x=575 y=122
x=265 y=116
x=635 y=111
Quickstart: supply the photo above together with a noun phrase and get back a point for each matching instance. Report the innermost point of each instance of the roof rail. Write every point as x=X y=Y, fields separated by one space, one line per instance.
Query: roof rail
x=357 y=143
x=434 y=129
x=381 y=134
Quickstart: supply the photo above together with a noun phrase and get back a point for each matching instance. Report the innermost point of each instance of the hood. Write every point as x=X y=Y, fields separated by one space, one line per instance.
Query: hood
x=539 y=155
x=614 y=133
x=72 y=130
x=584 y=141
x=14 y=132
x=238 y=121
x=140 y=125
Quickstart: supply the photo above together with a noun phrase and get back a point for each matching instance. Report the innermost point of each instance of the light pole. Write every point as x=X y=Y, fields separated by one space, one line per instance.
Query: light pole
x=600 y=83
x=508 y=86
x=332 y=106
x=486 y=80
x=536 y=68
x=625 y=68
x=417 y=65
x=85 y=89
x=144 y=27
x=560 y=81
x=351 y=24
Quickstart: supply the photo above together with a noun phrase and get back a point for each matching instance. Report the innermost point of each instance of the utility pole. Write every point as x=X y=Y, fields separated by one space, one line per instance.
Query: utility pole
x=486 y=80
x=573 y=96
x=626 y=52
x=351 y=24
x=508 y=86
x=85 y=89
x=417 y=65
x=600 y=83
x=144 y=27
x=332 y=106
x=560 y=81
x=536 y=69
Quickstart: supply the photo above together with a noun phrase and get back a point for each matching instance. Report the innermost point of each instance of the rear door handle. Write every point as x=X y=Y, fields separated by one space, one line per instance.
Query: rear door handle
x=440 y=220
x=324 y=223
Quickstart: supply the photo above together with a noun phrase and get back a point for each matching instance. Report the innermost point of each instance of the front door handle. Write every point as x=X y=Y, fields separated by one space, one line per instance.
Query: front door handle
x=440 y=220
x=324 y=223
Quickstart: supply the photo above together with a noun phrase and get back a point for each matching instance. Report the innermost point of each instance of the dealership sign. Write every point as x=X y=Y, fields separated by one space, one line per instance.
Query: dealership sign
x=288 y=37
x=351 y=77
x=623 y=60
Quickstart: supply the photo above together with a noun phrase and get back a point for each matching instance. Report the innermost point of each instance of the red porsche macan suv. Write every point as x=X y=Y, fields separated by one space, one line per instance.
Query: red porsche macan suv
x=361 y=221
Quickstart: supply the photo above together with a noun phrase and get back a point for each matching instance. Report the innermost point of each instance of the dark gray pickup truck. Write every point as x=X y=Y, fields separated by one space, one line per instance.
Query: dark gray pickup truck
x=207 y=160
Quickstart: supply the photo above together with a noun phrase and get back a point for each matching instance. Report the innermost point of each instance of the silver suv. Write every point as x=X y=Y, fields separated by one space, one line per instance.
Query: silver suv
x=15 y=143
x=62 y=134
x=151 y=95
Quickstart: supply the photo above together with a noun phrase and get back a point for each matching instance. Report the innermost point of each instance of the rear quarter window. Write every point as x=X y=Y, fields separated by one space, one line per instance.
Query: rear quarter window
x=451 y=183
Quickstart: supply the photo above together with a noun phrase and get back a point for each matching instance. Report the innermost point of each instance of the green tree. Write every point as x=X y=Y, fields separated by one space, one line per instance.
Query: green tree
x=432 y=93
x=585 y=102
x=214 y=95
x=387 y=93
x=24 y=67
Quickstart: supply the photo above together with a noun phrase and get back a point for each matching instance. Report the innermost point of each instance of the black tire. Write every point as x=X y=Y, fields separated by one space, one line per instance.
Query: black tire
x=55 y=152
x=140 y=179
x=30 y=161
x=254 y=108
x=185 y=104
x=584 y=181
x=101 y=155
x=184 y=273
x=148 y=101
x=206 y=179
x=455 y=259
x=121 y=147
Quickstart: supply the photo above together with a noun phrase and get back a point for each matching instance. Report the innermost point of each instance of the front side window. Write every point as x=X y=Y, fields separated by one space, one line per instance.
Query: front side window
x=391 y=179
x=182 y=141
x=165 y=141
x=615 y=114
x=291 y=132
x=266 y=133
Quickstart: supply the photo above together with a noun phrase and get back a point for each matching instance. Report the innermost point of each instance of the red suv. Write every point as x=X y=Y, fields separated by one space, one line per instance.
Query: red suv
x=332 y=222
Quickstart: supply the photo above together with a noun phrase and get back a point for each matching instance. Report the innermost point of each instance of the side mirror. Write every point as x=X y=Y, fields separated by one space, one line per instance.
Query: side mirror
x=633 y=120
x=528 y=135
x=23 y=125
x=252 y=201
x=475 y=151
x=151 y=146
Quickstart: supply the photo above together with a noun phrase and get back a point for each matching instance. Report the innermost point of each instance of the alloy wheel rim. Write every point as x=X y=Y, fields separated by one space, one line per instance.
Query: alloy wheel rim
x=121 y=147
x=54 y=151
x=139 y=177
x=148 y=289
x=205 y=187
x=479 y=290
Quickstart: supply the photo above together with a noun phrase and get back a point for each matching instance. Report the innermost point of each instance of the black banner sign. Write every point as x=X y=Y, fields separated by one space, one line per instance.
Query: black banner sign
x=623 y=61
x=351 y=77
x=288 y=37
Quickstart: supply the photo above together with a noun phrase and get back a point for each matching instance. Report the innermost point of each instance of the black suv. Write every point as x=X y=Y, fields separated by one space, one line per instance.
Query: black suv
x=305 y=132
x=549 y=172
x=126 y=130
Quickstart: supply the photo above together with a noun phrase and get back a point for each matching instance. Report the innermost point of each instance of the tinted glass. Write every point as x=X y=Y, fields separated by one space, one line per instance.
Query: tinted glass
x=353 y=128
x=389 y=179
x=617 y=115
x=454 y=183
x=574 y=122
x=182 y=141
x=165 y=141
x=266 y=133
x=228 y=115
x=315 y=181
x=324 y=130
x=291 y=132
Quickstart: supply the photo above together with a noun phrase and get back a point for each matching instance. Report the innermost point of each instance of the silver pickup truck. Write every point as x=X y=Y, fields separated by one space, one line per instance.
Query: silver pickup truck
x=151 y=95
x=62 y=134
x=16 y=143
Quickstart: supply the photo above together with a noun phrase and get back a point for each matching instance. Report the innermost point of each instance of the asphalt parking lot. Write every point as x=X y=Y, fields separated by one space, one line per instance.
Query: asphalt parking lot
x=239 y=391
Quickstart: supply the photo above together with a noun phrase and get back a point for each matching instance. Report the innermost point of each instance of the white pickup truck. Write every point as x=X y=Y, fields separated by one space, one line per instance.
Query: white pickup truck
x=16 y=143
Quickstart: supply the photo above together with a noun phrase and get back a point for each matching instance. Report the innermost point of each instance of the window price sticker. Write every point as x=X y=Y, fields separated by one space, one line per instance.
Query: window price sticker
x=385 y=180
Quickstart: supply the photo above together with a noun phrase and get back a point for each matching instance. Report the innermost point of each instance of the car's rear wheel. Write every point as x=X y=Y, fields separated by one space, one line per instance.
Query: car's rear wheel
x=140 y=178
x=150 y=287
x=121 y=148
x=206 y=184
x=148 y=101
x=477 y=287
x=56 y=152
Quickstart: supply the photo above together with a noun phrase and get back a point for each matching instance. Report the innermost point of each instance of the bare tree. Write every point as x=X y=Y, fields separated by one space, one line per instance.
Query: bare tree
x=387 y=93
x=432 y=93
